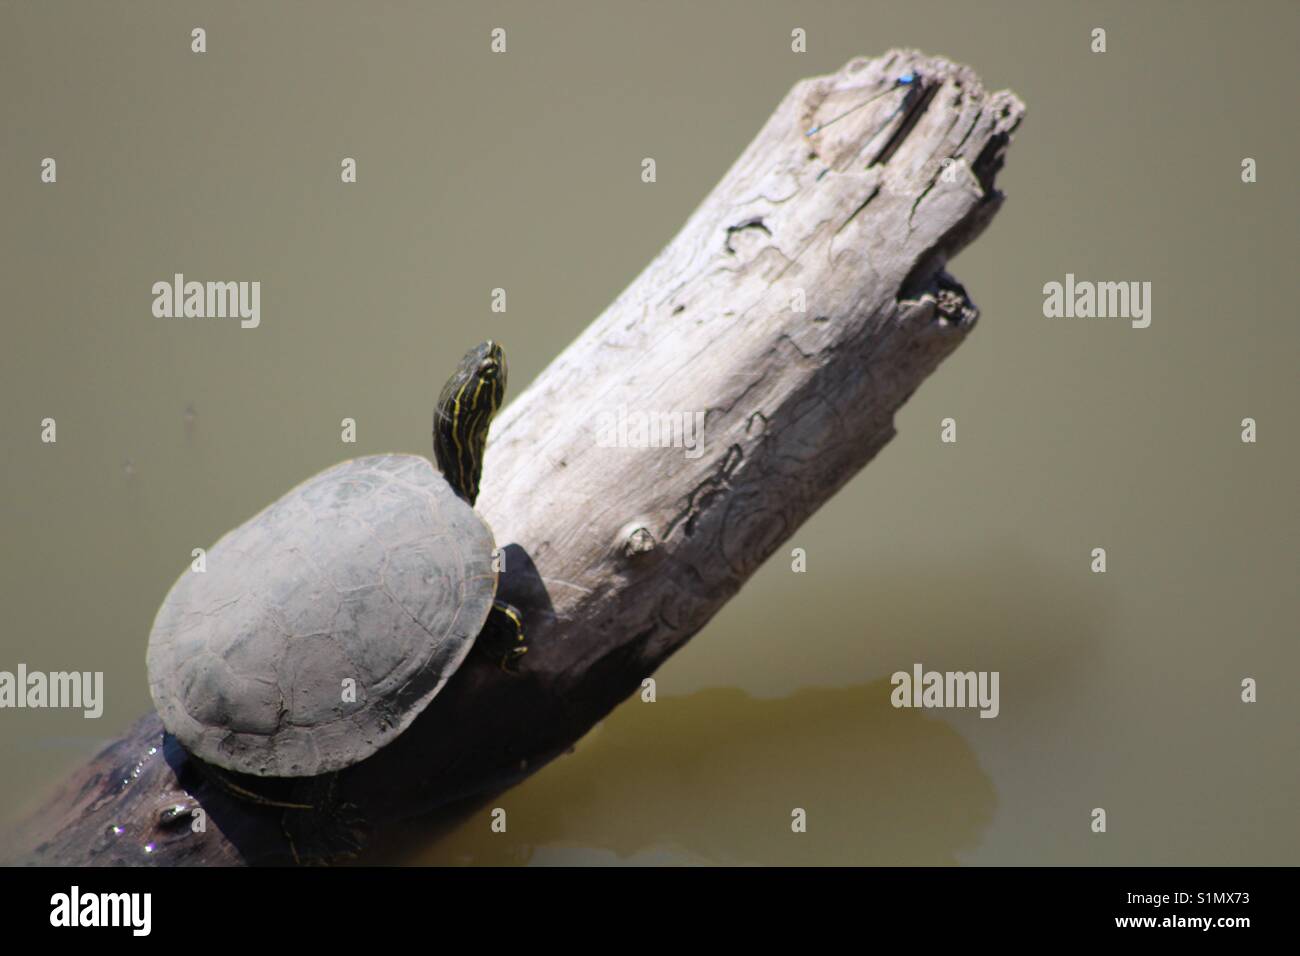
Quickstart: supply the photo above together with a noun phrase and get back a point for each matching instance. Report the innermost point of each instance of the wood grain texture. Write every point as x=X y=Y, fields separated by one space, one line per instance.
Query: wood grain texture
x=617 y=556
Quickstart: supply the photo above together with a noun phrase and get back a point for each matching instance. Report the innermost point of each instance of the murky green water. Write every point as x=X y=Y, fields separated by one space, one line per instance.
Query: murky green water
x=692 y=780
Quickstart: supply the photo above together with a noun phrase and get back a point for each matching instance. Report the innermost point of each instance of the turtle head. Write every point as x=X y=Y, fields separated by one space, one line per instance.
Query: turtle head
x=464 y=413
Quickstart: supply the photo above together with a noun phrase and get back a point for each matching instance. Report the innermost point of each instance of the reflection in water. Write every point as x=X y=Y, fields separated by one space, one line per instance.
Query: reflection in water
x=712 y=777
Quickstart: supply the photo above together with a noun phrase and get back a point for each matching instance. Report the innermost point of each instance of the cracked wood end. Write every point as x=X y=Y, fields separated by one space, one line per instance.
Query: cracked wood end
x=617 y=556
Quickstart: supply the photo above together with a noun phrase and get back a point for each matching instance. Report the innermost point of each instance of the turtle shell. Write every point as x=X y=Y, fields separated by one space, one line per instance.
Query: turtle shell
x=325 y=624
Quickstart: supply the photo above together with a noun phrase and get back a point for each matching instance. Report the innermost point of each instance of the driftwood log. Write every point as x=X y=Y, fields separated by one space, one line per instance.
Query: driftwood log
x=798 y=308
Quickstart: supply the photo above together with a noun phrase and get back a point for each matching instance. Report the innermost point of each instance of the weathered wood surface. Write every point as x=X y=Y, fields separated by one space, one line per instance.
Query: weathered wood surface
x=619 y=555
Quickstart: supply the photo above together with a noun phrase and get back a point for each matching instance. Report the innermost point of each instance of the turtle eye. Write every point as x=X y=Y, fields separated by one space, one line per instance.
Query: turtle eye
x=488 y=369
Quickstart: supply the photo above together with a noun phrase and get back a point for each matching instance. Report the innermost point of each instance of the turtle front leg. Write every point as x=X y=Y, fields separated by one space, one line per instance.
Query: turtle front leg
x=502 y=637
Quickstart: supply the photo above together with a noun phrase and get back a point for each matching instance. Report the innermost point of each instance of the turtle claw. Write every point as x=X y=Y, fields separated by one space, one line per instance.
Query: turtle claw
x=510 y=661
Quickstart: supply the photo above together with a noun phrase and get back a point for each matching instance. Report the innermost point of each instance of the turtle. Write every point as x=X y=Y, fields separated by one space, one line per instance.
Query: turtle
x=325 y=624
